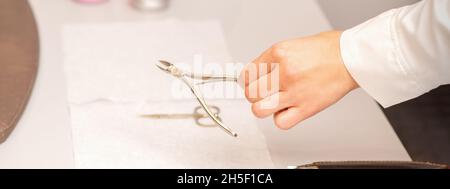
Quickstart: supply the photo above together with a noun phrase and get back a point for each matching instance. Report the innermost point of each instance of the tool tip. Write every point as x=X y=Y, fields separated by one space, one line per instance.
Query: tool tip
x=164 y=65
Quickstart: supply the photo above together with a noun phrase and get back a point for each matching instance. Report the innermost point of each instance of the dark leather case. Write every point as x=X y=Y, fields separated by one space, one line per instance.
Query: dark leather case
x=373 y=165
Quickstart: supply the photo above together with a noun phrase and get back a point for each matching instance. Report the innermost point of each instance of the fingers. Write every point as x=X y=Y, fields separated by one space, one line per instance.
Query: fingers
x=287 y=113
x=271 y=104
x=259 y=67
x=288 y=118
x=265 y=86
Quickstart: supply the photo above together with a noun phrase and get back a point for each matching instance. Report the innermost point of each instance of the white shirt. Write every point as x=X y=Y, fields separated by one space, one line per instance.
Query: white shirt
x=402 y=53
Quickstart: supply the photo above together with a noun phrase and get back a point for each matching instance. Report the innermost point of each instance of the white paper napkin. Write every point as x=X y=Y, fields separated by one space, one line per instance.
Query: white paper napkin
x=113 y=135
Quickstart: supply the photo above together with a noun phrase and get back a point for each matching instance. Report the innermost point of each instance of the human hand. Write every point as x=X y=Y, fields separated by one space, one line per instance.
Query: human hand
x=296 y=79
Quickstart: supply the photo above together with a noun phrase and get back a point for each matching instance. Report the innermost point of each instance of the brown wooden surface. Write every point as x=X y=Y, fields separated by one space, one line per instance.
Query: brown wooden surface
x=19 y=51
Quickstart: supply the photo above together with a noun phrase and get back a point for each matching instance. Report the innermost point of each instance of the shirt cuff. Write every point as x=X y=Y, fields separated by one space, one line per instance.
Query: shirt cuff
x=370 y=54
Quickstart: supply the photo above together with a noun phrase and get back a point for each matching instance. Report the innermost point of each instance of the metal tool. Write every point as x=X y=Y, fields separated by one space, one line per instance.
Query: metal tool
x=150 y=5
x=198 y=115
x=188 y=79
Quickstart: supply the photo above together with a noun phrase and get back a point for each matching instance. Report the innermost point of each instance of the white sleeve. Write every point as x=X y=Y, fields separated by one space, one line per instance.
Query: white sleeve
x=402 y=53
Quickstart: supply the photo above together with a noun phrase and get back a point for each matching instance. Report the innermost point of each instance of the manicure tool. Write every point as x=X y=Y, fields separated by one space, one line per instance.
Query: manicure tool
x=189 y=78
x=197 y=115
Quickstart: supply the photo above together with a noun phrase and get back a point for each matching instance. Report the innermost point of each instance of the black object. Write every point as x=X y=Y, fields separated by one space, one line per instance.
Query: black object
x=372 y=165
